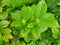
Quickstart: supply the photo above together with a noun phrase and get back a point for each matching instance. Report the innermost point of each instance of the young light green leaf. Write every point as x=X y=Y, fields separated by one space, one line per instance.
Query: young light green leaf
x=23 y=21
x=36 y=32
x=26 y=13
x=24 y=32
x=41 y=9
x=6 y=37
x=33 y=9
x=43 y=28
x=6 y=31
x=31 y=25
x=27 y=38
x=3 y=15
x=55 y=32
x=16 y=15
x=4 y=23
x=58 y=3
x=0 y=9
x=49 y=20
x=16 y=24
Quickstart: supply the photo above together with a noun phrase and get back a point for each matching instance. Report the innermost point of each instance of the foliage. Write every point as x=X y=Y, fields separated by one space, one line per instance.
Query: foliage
x=29 y=22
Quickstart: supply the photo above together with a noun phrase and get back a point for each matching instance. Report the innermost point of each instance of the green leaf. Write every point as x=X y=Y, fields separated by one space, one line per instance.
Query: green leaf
x=43 y=28
x=4 y=23
x=0 y=36
x=16 y=15
x=58 y=3
x=31 y=25
x=30 y=1
x=36 y=32
x=55 y=32
x=27 y=38
x=23 y=21
x=26 y=13
x=59 y=41
x=0 y=9
x=32 y=43
x=51 y=3
x=41 y=43
x=47 y=37
x=6 y=31
x=14 y=3
x=24 y=32
x=22 y=43
x=7 y=2
x=41 y=9
x=2 y=3
x=16 y=42
x=49 y=20
x=16 y=24
x=6 y=37
x=33 y=9
x=3 y=15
